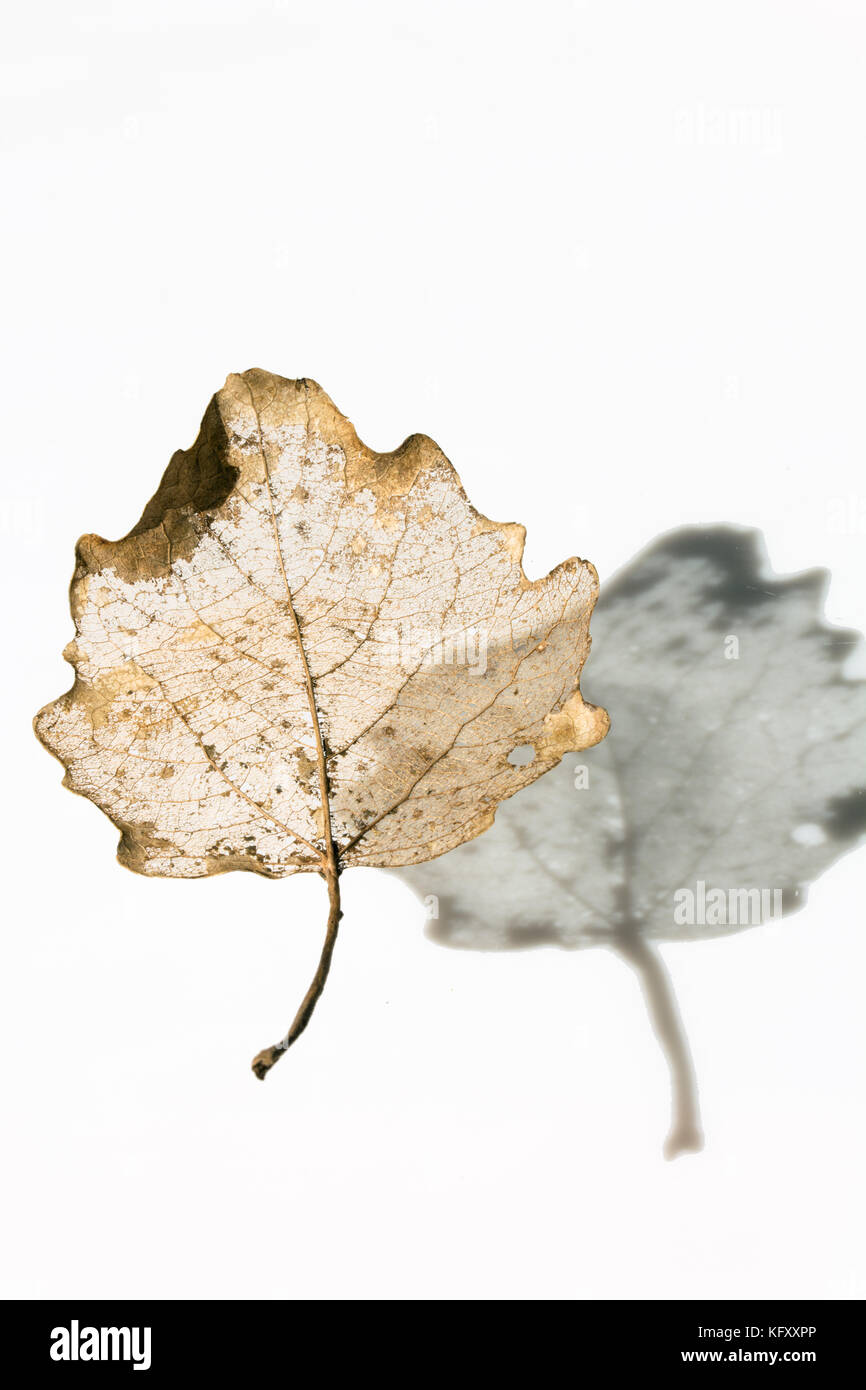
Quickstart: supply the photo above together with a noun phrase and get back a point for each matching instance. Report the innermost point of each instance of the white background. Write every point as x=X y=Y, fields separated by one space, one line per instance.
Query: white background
x=548 y=236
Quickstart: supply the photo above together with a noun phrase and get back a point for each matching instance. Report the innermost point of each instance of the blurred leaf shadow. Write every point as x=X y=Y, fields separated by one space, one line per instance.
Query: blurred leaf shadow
x=733 y=775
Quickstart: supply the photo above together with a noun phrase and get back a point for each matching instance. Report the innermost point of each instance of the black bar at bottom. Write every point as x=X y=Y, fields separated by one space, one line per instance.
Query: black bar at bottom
x=162 y=1339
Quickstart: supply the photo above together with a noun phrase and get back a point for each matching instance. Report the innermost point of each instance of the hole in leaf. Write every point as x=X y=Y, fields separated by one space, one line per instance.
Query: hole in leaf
x=522 y=756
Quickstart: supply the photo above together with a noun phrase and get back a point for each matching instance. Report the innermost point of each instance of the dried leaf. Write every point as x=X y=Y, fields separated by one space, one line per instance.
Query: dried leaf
x=307 y=655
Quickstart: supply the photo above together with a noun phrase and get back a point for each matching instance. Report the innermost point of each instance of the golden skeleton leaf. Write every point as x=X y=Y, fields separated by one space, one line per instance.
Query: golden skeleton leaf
x=310 y=656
